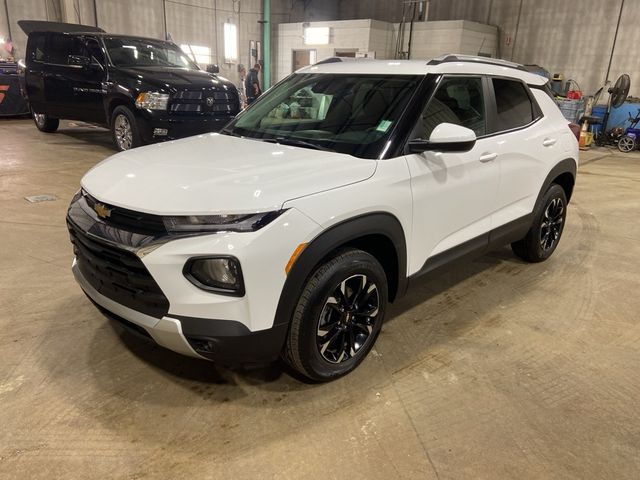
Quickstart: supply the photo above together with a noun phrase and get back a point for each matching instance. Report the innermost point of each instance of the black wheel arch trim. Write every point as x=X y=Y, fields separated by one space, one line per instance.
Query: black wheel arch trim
x=568 y=165
x=376 y=223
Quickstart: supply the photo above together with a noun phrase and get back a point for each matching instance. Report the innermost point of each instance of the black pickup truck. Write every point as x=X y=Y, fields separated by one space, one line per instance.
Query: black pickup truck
x=144 y=90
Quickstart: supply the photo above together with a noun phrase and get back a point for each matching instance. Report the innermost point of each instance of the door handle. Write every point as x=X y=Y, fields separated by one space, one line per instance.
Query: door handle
x=488 y=157
x=547 y=142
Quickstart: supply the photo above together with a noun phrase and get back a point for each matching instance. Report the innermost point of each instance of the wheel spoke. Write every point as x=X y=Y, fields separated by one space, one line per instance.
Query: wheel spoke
x=324 y=330
x=325 y=345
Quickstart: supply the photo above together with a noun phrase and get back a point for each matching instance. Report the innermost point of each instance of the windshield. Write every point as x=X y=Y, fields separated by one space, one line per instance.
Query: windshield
x=138 y=52
x=347 y=113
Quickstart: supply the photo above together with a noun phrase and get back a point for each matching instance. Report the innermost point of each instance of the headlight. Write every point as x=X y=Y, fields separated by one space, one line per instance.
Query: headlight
x=216 y=274
x=220 y=223
x=152 y=100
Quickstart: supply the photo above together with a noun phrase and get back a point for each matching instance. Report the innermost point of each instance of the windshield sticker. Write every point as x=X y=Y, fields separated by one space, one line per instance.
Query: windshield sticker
x=383 y=126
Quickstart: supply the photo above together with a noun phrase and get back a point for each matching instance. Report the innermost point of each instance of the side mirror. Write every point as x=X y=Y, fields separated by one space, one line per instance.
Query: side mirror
x=213 y=68
x=446 y=137
x=78 y=60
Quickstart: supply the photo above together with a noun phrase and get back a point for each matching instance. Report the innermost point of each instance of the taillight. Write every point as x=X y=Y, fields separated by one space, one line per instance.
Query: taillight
x=575 y=128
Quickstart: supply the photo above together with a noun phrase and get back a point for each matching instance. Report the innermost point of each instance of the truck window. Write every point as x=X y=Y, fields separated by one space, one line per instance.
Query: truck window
x=95 y=51
x=36 y=47
x=60 y=46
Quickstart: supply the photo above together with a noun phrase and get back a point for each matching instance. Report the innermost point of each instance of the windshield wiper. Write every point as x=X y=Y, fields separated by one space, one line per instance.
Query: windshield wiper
x=231 y=133
x=294 y=142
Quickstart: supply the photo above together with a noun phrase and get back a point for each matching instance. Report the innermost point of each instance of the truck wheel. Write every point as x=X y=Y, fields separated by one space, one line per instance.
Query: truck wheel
x=45 y=123
x=338 y=316
x=124 y=129
x=548 y=223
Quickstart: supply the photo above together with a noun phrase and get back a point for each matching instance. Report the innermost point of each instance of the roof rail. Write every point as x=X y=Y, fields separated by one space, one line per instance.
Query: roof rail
x=470 y=58
x=329 y=60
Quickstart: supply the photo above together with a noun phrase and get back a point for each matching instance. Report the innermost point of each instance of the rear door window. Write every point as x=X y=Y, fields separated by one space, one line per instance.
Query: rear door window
x=37 y=44
x=61 y=46
x=514 y=108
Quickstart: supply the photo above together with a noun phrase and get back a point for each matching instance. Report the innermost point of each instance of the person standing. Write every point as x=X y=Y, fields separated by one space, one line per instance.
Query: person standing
x=252 y=83
x=241 y=87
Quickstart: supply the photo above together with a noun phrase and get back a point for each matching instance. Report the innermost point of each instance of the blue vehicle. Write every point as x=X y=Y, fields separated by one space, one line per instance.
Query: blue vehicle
x=630 y=140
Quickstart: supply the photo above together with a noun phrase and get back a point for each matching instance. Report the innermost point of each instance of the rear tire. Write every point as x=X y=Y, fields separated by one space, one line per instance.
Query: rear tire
x=338 y=316
x=124 y=129
x=45 y=123
x=548 y=224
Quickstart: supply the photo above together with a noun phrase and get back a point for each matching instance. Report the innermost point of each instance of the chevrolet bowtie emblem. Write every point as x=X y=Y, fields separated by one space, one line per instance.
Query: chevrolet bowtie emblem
x=102 y=211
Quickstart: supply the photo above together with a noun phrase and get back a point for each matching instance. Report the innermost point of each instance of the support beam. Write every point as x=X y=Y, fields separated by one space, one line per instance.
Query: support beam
x=6 y=11
x=266 y=43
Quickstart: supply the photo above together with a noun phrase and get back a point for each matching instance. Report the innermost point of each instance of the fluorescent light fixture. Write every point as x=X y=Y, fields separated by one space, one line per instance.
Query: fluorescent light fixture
x=316 y=35
x=230 y=43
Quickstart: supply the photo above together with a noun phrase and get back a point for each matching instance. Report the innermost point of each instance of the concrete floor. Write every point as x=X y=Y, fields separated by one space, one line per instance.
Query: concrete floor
x=497 y=370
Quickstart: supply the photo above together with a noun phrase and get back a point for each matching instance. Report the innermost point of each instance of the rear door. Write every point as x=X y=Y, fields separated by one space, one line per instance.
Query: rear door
x=453 y=192
x=35 y=65
x=526 y=143
x=58 y=87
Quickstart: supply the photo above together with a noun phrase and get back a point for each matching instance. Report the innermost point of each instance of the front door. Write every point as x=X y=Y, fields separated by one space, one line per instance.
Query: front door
x=453 y=193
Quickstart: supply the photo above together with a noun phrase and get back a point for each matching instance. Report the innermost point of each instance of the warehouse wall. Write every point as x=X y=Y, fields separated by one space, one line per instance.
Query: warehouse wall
x=434 y=38
x=574 y=38
x=26 y=9
x=430 y=39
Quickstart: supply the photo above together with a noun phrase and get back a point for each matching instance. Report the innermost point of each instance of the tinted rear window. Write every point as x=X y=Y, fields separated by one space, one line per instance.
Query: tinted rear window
x=36 y=47
x=513 y=104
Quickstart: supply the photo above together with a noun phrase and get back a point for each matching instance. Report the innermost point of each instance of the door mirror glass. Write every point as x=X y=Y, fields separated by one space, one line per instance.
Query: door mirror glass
x=213 y=68
x=445 y=137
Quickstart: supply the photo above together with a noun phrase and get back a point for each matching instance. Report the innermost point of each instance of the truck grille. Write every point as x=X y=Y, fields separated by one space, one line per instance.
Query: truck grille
x=117 y=274
x=129 y=220
x=198 y=102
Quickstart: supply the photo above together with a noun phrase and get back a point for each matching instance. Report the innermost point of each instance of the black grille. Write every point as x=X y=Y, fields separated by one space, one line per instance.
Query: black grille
x=136 y=222
x=118 y=274
x=198 y=102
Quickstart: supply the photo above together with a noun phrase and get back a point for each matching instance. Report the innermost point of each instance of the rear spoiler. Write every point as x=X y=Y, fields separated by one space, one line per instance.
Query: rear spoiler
x=29 y=26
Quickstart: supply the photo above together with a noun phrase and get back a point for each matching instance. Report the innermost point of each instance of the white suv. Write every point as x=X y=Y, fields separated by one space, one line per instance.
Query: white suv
x=289 y=232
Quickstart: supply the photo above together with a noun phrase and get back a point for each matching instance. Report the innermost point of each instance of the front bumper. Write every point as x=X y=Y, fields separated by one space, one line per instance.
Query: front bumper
x=224 y=342
x=177 y=126
x=138 y=278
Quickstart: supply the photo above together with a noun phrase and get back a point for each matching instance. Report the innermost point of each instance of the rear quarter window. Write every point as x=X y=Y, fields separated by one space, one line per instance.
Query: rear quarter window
x=513 y=104
x=36 y=47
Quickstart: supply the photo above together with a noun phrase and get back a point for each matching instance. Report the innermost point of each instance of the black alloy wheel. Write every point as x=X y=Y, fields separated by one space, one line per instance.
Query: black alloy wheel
x=544 y=235
x=347 y=319
x=551 y=225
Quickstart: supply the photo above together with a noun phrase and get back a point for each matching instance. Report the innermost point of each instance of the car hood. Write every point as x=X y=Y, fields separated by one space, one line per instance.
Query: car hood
x=215 y=173
x=174 y=78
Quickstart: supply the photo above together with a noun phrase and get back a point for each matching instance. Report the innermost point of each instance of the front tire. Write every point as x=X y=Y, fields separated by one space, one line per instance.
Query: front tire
x=124 y=129
x=45 y=123
x=338 y=316
x=548 y=224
